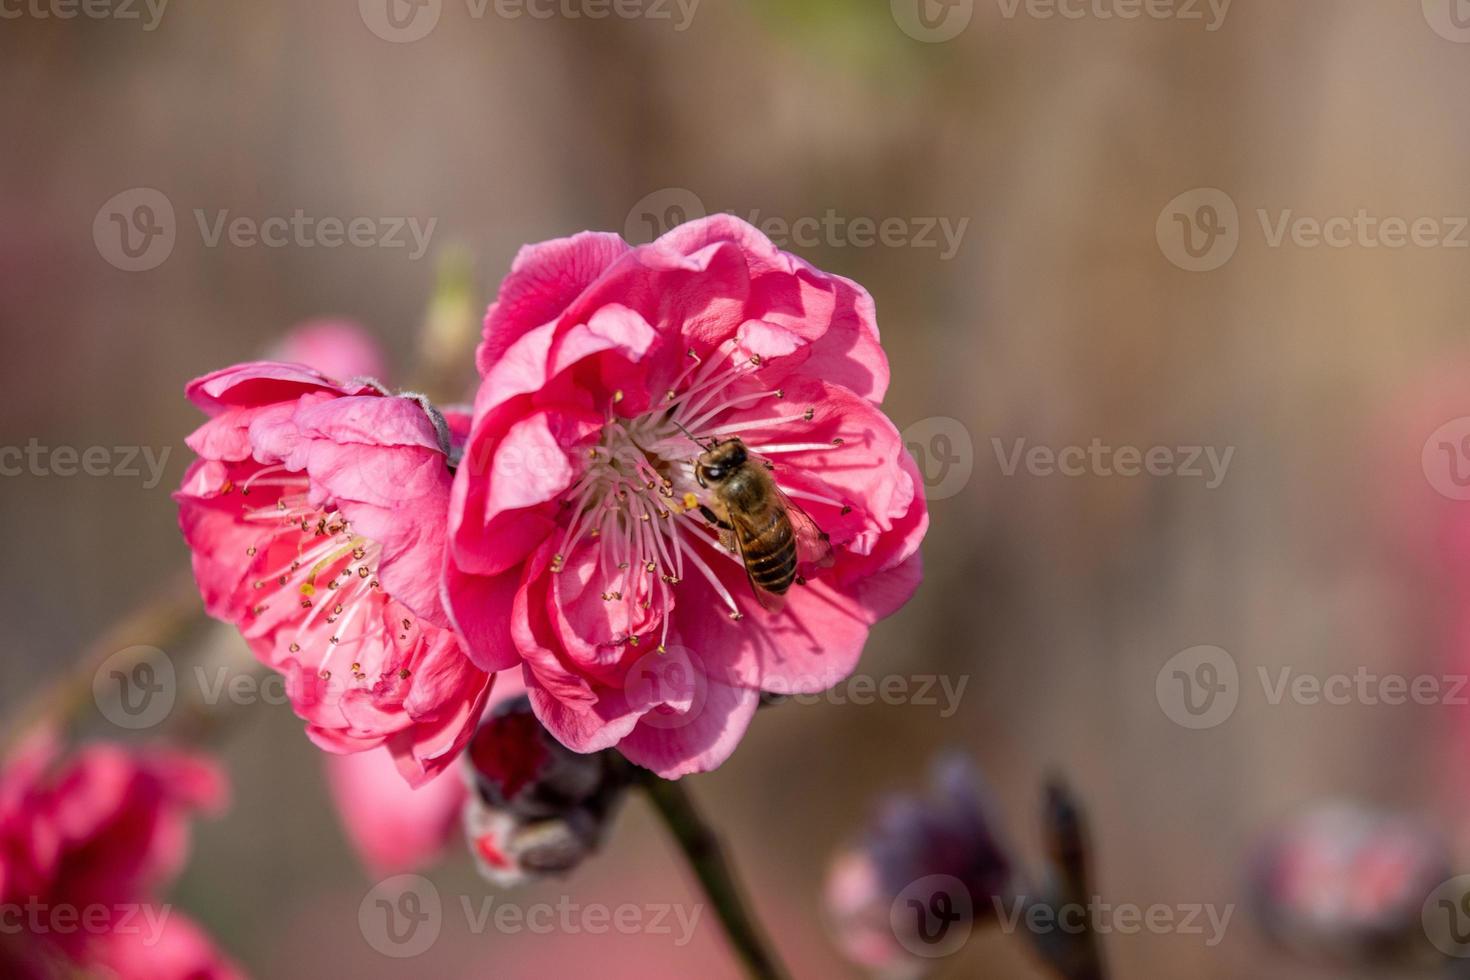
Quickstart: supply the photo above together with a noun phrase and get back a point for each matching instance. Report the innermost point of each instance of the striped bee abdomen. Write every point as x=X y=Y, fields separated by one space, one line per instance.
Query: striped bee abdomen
x=770 y=553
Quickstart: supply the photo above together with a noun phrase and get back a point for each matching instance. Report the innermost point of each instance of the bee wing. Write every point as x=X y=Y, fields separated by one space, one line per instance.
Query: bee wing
x=812 y=544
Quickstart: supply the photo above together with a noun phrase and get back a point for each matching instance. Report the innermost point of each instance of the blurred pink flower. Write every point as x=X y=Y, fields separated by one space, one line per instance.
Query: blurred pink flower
x=394 y=827
x=86 y=844
x=574 y=549
x=315 y=517
x=340 y=349
x=1345 y=884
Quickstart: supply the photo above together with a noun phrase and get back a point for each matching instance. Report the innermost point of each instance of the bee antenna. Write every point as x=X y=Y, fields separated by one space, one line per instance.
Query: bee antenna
x=692 y=437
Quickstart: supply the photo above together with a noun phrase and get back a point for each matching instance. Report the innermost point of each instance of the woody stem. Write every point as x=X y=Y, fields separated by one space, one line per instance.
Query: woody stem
x=706 y=857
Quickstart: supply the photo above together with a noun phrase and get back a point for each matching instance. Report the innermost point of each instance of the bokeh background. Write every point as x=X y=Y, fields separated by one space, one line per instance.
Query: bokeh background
x=1062 y=315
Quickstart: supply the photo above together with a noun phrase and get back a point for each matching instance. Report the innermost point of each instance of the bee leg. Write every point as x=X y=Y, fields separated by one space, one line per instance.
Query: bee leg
x=710 y=516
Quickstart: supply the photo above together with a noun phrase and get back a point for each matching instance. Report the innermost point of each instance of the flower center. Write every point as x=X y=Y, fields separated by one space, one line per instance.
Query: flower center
x=317 y=563
x=638 y=499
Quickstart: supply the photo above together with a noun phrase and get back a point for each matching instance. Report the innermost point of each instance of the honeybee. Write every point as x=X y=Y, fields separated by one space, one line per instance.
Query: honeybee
x=772 y=535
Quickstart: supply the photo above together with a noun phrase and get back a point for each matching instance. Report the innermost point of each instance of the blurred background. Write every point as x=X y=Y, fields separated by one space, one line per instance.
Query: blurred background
x=1092 y=234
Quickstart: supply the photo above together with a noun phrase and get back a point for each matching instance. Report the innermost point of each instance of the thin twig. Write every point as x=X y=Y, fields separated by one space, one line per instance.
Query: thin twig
x=706 y=857
x=174 y=609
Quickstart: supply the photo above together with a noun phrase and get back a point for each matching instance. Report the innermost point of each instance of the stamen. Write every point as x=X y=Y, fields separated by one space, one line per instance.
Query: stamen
x=790 y=447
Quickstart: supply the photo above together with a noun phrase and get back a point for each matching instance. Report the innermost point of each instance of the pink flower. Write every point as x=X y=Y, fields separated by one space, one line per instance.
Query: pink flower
x=394 y=827
x=86 y=845
x=577 y=547
x=1343 y=883
x=340 y=349
x=315 y=515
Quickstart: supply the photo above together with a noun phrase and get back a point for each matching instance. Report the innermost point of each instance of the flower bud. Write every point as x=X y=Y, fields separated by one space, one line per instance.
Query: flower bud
x=1343 y=884
x=536 y=807
x=924 y=873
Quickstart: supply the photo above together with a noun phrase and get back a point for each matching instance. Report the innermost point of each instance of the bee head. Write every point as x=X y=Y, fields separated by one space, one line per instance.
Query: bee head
x=719 y=461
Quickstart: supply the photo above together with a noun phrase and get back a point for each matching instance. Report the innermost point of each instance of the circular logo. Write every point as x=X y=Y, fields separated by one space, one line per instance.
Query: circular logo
x=1445 y=916
x=1198 y=687
x=660 y=212
x=1199 y=230
x=1446 y=459
x=401 y=916
x=135 y=688
x=933 y=917
x=400 y=21
x=135 y=230
x=671 y=686
x=932 y=21
x=944 y=452
x=1450 y=19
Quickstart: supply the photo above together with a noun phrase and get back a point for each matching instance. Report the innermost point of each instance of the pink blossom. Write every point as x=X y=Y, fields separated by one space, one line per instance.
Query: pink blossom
x=396 y=827
x=315 y=516
x=340 y=349
x=574 y=549
x=393 y=826
x=86 y=844
x=1341 y=882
